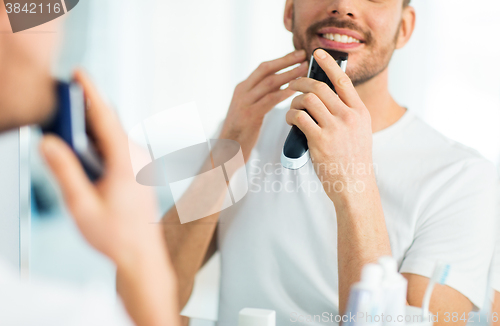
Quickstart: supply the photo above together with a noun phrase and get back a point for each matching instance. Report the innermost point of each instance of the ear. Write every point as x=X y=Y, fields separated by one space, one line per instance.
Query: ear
x=407 y=26
x=288 y=18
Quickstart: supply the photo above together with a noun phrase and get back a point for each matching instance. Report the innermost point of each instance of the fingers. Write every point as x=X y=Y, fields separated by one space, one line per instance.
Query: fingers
x=304 y=122
x=342 y=83
x=322 y=91
x=272 y=67
x=275 y=81
x=314 y=107
x=103 y=122
x=79 y=193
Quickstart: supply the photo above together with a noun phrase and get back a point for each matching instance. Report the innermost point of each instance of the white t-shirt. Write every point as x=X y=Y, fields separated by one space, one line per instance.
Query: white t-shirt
x=44 y=304
x=495 y=267
x=278 y=244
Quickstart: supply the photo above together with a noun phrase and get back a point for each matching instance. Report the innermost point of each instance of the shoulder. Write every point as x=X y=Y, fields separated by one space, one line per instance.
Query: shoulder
x=455 y=177
x=431 y=146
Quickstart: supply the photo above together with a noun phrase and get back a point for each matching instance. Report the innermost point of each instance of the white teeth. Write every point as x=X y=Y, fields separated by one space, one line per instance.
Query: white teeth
x=340 y=38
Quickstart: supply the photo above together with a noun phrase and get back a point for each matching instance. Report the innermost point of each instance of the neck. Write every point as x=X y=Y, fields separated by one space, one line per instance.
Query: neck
x=383 y=108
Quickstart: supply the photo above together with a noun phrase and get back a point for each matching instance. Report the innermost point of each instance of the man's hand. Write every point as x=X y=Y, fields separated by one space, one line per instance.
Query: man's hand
x=116 y=215
x=340 y=142
x=257 y=95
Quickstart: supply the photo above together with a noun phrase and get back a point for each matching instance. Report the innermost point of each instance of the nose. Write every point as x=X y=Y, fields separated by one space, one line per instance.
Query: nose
x=342 y=8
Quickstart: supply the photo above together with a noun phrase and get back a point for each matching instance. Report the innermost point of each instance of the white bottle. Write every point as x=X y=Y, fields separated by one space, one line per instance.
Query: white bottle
x=394 y=287
x=257 y=317
x=364 y=298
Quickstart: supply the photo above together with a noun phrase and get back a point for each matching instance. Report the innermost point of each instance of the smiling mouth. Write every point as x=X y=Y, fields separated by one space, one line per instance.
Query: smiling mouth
x=340 y=38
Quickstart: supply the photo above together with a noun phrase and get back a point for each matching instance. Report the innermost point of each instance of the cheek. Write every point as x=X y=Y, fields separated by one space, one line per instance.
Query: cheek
x=36 y=54
x=308 y=12
x=298 y=22
x=383 y=26
x=41 y=47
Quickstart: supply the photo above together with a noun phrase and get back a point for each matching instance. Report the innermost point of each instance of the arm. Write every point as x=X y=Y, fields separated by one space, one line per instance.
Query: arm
x=444 y=299
x=342 y=138
x=116 y=215
x=189 y=243
x=362 y=237
x=189 y=246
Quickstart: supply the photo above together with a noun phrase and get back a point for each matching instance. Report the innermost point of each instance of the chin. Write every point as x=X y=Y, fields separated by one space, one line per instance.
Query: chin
x=8 y=122
x=20 y=108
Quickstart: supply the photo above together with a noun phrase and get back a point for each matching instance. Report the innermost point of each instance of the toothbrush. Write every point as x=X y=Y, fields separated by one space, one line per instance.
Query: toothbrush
x=439 y=276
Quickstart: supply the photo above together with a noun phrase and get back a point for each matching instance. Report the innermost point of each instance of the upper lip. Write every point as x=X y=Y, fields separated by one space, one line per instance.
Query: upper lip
x=341 y=31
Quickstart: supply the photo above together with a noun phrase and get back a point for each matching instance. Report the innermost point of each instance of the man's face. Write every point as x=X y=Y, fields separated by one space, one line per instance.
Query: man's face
x=26 y=87
x=366 y=29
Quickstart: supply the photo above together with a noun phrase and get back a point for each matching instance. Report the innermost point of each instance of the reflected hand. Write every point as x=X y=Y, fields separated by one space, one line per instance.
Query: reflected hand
x=340 y=142
x=257 y=95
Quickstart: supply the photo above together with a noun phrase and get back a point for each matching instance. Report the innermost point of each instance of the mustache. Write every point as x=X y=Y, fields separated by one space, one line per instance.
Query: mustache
x=333 y=22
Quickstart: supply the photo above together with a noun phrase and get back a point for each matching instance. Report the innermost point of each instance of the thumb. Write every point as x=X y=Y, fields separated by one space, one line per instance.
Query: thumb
x=79 y=193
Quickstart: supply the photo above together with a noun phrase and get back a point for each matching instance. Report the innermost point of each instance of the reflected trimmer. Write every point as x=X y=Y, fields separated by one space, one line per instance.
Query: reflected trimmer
x=295 y=151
